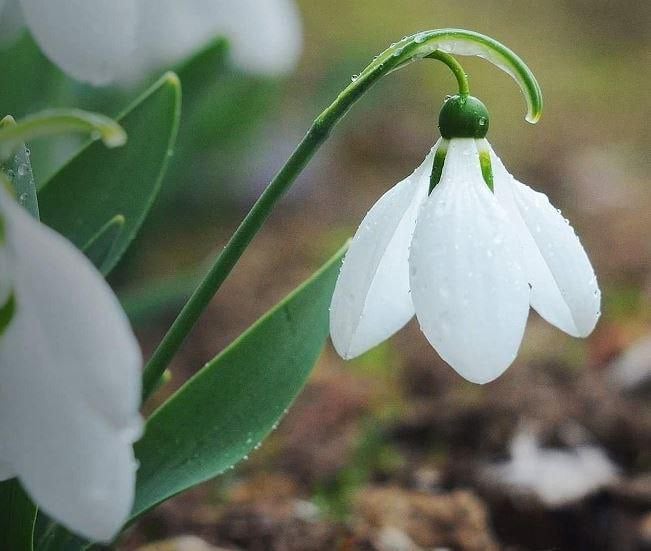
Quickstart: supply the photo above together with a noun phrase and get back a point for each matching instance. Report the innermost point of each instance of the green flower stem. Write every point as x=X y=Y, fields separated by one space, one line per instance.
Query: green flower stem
x=229 y=256
x=456 y=68
x=416 y=47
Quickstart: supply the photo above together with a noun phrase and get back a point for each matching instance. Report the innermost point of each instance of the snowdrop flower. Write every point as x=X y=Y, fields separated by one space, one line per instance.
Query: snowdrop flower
x=100 y=42
x=69 y=380
x=467 y=259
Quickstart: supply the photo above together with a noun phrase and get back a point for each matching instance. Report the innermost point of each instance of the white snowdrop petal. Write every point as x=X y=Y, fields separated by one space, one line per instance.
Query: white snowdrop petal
x=371 y=300
x=265 y=36
x=11 y=22
x=169 y=31
x=89 y=39
x=546 y=297
x=565 y=258
x=6 y=471
x=268 y=37
x=69 y=383
x=6 y=280
x=468 y=287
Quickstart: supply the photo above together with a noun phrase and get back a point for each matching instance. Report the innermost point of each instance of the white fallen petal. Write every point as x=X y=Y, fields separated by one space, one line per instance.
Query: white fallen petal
x=89 y=39
x=546 y=297
x=371 y=300
x=556 y=477
x=467 y=283
x=566 y=261
x=70 y=382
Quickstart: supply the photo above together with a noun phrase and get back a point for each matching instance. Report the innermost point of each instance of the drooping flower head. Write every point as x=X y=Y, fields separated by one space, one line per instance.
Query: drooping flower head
x=467 y=249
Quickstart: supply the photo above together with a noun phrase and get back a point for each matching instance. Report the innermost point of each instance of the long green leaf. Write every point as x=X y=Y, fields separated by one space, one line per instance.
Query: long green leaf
x=237 y=399
x=100 y=184
x=30 y=80
x=17 y=517
x=98 y=249
x=201 y=71
x=18 y=169
x=165 y=295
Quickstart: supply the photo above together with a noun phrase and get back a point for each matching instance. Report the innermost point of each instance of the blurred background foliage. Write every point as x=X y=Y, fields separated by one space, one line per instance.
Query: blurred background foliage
x=398 y=420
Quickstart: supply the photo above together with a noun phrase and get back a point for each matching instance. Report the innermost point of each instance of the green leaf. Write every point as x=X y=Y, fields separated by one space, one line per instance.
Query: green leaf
x=30 y=80
x=50 y=536
x=17 y=517
x=237 y=399
x=147 y=302
x=202 y=76
x=100 y=184
x=18 y=169
x=201 y=71
x=98 y=250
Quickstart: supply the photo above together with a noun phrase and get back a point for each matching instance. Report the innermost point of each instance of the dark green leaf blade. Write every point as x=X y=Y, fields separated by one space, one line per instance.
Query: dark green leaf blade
x=17 y=517
x=204 y=68
x=98 y=249
x=148 y=302
x=18 y=169
x=99 y=183
x=30 y=80
x=228 y=408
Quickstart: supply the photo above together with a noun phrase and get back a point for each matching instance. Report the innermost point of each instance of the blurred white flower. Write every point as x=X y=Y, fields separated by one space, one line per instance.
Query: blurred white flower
x=467 y=262
x=69 y=380
x=122 y=40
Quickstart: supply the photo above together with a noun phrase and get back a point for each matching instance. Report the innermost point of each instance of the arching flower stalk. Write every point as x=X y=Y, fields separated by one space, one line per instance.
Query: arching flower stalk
x=467 y=249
